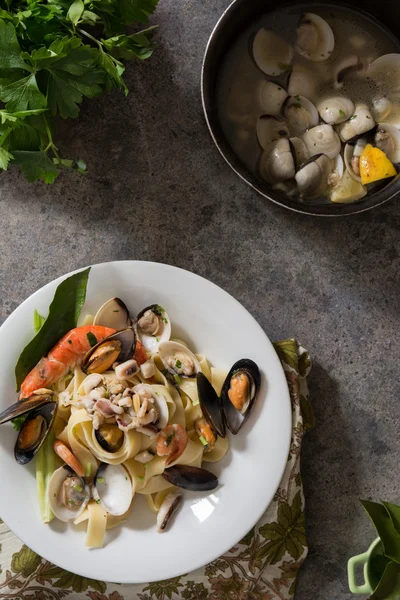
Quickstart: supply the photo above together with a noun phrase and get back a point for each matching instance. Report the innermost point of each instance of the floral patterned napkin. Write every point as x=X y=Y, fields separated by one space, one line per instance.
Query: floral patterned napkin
x=262 y=566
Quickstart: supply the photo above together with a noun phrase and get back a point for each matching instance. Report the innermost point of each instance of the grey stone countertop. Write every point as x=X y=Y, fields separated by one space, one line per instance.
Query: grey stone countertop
x=157 y=189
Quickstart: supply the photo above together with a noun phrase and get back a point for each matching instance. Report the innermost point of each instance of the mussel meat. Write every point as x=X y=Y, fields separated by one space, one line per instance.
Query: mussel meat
x=206 y=433
x=112 y=488
x=114 y=313
x=119 y=347
x=191 y=478
x=67 y=493
x=34 y=431
x=110 y=437
x=239 y=392
x=210 y=405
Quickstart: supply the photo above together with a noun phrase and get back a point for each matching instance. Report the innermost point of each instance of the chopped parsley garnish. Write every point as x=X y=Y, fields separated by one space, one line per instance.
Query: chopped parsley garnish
x=367 y=117
x=297 y=105
x=91 y=339
x=177 y=379
x=342 y=113
x=353 y=117
x=165 y=320
x=203 y=441
x=140 y=478
x=285 y=67
x=88 y=469
x=98 y=501
x=78 y=488
x=178 y=364
x=297 y=98
x=100 y=480
x=17 y=422
x=157 y=339
x=116 y=310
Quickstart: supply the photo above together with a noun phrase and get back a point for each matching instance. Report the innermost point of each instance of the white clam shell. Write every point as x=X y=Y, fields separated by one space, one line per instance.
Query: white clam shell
x=385 y=71
x=336 y=110
x=315 y=38
x=301 y=154
x=312 y=178
x=300 y=114
x=169 y=349
x=277 y=163
x=322 y=139
x=113 y=313
x=351 y=65
x=113 y=489
x=361 y=122
x=272 y=54
x=269 y=130
x=337 y=171
x=62 y=512
x=349 y=152
x=271 y=97
x=151 y=342
x=382 y=108
x=394 y=154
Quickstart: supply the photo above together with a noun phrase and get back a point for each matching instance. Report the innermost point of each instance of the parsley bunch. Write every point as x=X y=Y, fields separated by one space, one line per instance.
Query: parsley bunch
x=53 y=53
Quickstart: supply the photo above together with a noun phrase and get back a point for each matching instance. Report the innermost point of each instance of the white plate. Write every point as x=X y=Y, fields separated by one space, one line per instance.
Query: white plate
x=209 y=523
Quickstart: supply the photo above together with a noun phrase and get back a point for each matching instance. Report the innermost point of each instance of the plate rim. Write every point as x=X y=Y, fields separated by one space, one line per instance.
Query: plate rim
x=286 y=402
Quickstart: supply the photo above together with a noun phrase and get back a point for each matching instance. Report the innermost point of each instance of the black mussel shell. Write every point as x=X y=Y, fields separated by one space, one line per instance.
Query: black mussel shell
x=127 y=337
x=48 y=413
x=23 y=406
x=210 y=405
x=191 y=478
x=234 y=419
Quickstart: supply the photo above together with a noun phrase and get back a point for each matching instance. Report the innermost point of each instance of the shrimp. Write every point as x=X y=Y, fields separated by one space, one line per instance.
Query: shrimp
x=171 y=442
x=63 y=357
x=68 y=457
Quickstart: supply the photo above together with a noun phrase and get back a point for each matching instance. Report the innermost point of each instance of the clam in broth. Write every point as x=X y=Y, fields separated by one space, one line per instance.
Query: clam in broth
x=321 y=122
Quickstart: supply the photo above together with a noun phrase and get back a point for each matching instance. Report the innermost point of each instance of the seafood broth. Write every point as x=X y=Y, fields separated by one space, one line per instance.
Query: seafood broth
x=356 y=34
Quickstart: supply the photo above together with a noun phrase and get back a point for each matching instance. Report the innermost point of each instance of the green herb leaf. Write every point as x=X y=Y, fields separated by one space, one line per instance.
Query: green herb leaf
x=128 y=47
x=100 y=480
x=136 y=10
x=342 y=113
x=5 y=158
x=10 y=51
x=203 y=440
x=75 y=11
x=35 y=165
x=78 y=488
x=17 y=422
x=38 y=321
x=178 y=364
x=91 y=339
x=22 y=95
x=63 y=316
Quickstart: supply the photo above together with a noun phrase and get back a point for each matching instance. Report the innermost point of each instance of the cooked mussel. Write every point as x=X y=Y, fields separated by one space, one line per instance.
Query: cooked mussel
x=67 y=493
x=112 y=488
x=34 y=431
x=113 y=313
x=26 y=405
x=116 y=347
x=239 y=392
x=206 y=433
x=191 y=478
x=110 y=437
x=210 y=405
x=153 y=326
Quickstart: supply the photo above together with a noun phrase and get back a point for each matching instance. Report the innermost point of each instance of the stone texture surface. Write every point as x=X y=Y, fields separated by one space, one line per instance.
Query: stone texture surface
x=157 y=189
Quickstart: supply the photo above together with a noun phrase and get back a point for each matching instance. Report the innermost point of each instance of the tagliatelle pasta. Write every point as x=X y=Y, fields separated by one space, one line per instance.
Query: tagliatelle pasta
x=114 y=422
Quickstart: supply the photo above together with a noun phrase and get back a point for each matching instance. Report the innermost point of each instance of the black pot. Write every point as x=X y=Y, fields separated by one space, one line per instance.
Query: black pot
x=237 y=17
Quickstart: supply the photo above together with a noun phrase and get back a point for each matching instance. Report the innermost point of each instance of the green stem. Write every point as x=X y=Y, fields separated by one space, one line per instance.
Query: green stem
x=45 y=467
x=83 y=32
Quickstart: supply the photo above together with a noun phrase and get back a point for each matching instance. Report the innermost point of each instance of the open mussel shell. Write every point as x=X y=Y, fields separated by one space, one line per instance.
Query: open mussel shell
x=112 y=488
x=191 y=478
x=110 y=437
x=25 y=405
x=34 y=431
x=241 y=386
x=113 y=313
x=210 y=405
x=67 y=494
x=117 y=347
